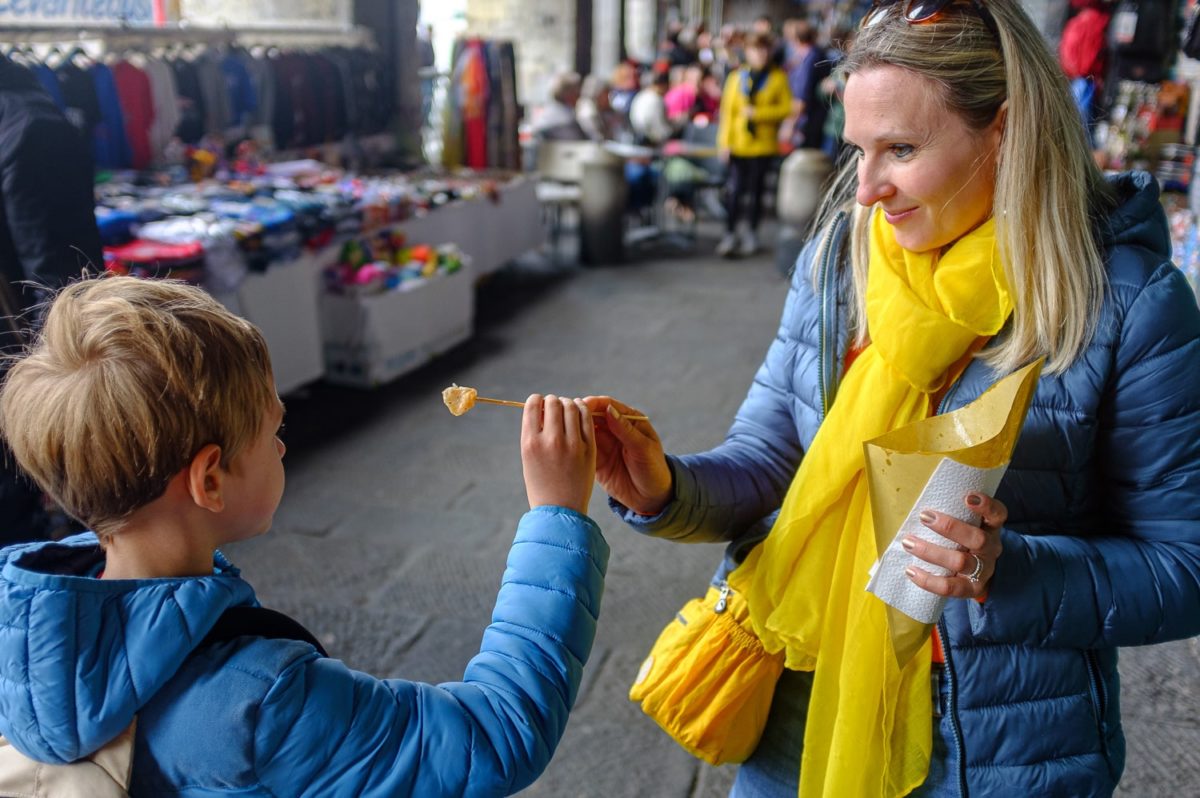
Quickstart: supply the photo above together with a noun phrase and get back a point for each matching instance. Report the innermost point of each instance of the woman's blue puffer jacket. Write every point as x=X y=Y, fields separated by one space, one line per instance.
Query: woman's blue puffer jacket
x=1102 y=545
x=255 y=717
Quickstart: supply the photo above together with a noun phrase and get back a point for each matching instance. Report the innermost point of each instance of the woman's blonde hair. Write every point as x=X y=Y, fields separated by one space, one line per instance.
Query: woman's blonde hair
x=126 y=382
x=1050 y=196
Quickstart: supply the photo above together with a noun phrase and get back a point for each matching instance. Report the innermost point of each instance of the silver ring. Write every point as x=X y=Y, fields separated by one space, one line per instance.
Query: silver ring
x=974 y=575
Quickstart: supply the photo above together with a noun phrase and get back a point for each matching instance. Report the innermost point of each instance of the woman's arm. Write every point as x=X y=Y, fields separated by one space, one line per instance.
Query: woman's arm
x=1137 y=580
x=718 y=494
x=779 y=100
x=726 y=115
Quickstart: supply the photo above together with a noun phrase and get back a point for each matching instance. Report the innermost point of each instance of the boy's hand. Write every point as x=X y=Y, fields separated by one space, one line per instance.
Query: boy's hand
x=558 y=452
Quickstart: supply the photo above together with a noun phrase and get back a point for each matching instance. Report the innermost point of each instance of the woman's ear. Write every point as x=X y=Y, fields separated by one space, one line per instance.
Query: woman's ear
x=998 y=124
x=205 y=479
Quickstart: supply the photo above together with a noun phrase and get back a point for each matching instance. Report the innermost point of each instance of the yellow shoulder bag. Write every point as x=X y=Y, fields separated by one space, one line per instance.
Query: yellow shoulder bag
x=708 y=681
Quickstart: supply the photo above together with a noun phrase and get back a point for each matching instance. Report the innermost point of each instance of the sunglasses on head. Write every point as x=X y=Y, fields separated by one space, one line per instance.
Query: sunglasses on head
x=919 y=12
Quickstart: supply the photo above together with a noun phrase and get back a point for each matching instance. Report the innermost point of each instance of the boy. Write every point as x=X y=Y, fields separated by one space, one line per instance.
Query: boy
x=150 y=413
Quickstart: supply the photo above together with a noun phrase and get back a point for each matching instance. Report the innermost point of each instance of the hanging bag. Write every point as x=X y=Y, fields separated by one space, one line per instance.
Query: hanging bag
x=708 y=681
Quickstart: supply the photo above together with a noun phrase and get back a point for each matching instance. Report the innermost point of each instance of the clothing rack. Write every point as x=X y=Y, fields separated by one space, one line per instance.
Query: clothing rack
x=124 y=36
x=284 y=86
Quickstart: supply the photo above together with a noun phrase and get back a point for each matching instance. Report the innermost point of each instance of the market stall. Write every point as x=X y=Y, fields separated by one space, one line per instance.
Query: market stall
x=245 y=161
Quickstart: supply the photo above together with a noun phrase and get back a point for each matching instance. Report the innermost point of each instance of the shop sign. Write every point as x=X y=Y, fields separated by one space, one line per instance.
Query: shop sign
x=40 y=12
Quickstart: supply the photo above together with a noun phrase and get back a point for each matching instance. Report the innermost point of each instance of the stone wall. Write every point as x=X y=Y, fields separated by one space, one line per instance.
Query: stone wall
x=266 y=12
x=543 y=33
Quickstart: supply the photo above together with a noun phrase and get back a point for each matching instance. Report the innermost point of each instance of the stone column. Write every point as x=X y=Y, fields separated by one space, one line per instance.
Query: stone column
x=606 y=36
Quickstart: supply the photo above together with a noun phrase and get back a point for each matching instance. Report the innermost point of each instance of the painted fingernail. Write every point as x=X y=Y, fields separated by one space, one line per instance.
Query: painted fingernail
x=908 y=544
x=614 y=412
x=974 y=500
x=927 y=517
x=911 y=573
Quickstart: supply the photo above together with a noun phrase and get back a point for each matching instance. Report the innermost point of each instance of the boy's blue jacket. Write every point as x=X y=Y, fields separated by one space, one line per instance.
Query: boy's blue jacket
x=1102 y=544
x=80 y=656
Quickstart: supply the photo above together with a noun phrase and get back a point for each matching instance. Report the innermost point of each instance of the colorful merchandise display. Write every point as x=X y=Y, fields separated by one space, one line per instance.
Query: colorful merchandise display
x=384 y=262
x=355 y=277
x=246 y=222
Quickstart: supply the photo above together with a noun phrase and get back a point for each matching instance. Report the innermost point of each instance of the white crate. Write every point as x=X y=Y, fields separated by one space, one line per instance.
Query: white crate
x=282 y=303
x=490 y=234
x=372 y=340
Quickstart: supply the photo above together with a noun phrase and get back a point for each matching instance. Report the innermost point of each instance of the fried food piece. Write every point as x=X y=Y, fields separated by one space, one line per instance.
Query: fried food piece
x=458 y=399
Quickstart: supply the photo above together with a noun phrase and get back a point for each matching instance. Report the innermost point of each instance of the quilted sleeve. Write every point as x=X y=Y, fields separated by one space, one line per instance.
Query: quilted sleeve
x=722 y=492
x=324 y=729
x=1136 y=580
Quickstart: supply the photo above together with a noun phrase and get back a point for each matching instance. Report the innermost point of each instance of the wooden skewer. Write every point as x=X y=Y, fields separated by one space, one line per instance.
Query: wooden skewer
x=509 y=403
x=504 y=402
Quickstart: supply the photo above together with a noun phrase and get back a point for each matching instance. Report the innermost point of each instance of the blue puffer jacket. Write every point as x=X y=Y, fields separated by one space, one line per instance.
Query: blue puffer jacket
x=255 y=717
x=1102 y=546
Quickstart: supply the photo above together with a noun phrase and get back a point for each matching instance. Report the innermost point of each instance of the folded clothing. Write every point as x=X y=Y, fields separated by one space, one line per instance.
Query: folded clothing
x=142 y=258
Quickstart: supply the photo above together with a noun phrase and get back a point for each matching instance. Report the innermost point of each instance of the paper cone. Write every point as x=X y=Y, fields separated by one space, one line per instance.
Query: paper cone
x=933 y=464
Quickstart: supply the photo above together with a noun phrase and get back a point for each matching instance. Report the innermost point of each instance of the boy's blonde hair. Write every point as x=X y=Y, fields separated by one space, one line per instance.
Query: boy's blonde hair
x=126 y=382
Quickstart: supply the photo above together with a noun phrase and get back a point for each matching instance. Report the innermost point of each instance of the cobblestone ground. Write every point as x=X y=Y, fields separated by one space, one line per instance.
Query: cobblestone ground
x=392 y=535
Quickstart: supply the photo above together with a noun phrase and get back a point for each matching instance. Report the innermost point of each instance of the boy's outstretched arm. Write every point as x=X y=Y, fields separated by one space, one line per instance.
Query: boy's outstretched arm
x=326 y=730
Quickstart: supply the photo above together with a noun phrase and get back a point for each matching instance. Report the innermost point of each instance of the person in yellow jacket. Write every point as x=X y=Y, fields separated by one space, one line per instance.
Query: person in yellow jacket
x=756 y=100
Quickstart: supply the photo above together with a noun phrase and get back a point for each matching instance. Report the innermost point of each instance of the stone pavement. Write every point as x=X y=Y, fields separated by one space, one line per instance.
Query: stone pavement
x=393 y=531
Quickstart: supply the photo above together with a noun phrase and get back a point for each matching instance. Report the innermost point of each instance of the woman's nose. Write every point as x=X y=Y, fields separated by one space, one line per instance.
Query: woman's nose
x=873 y=185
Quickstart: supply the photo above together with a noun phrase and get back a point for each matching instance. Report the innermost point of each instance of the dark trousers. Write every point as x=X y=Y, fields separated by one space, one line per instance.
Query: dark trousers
x=747 y=178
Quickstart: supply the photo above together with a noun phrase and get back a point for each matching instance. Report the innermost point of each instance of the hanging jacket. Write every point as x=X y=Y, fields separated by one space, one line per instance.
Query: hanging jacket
x=48 y=229
x=1102 y=544
x=258 y=717
x=772 y=104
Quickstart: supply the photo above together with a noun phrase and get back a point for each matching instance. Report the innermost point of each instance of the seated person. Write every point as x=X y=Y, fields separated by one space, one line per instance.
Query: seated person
x=688 y=98
x=624 y=87
x=149 y=411
x=648 y=112
x=599 y=120
x=557 y=121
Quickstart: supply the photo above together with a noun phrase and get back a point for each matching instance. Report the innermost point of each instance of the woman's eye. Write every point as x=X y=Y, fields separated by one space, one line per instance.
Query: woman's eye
x=902 y=150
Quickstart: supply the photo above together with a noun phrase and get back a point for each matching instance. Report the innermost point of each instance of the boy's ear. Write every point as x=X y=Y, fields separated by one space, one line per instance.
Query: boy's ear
x=205 y=479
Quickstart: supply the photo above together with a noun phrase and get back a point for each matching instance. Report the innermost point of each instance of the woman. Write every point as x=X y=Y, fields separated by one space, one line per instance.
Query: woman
x=977 y=242
x=755 y=102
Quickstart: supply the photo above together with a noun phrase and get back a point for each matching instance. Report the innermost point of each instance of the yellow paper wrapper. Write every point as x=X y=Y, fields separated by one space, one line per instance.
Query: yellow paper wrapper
x=933 y=464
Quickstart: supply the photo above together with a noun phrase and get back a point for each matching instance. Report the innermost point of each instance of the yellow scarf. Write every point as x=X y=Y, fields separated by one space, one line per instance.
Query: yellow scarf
x=869 y=728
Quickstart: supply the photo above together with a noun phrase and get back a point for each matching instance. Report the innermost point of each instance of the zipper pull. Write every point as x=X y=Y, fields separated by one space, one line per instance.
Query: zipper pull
x=722 y=600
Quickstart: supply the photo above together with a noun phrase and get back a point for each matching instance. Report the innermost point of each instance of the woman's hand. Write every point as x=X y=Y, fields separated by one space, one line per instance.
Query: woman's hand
x=973 y=568
x=630 y=463
x=558 y=452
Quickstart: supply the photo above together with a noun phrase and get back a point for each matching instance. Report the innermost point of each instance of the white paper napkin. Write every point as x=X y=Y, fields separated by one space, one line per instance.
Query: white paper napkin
x=945 y=492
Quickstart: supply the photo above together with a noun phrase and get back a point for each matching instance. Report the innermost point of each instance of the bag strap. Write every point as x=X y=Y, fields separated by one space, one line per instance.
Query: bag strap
x=248 y=621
